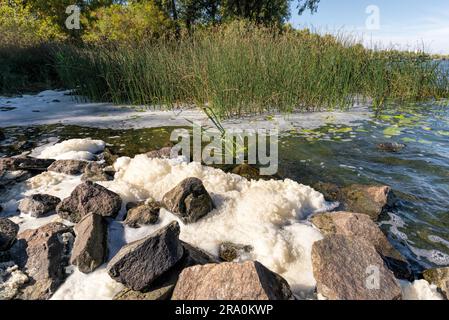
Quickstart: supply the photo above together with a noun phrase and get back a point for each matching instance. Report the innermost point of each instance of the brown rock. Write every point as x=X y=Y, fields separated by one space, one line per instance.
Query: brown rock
x=90 y=247
x=370 y=200
x=70 y=167
x=231 y=281
x=361 y=226
x=163 y=153
x=246 y=171
x=440 y=278
x=87 y=198
x=348 y=268
x=23 y=163
x=41 y=254
x=138 y=264
x=144 y=214
x=189 y=200
x=95 y=172
x=8 y=233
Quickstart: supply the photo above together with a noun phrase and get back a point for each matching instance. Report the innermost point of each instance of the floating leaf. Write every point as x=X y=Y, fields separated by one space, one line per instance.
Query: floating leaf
x=407 y=140
x=343 y=130
x=443 y=133
x=392 y=131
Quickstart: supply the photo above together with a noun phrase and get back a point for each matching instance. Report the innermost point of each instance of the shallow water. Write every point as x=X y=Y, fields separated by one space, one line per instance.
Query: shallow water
x=342 y=154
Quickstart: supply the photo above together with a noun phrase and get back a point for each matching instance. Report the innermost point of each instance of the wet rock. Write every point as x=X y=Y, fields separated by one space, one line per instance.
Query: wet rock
x=90 y=247
x=95 y=172
x=24 y=163
x=70 y=167
x=87 y=198
x=370 y=200
x=23 y=145
x=231 y=281
x=391 y=146
x=348 y=268
x=359 y=225
x=39 y=205
x=230 y=251
x=140 y=263
x=144 y=214
x=131 y=205
x=163 y=153
x=440 y=278
x=11 y=280
x=2 y=135
x=42 y=255
x=162 y=293
x=5 y=256
x=8 y=233
x=8 y=178
x=189 y=200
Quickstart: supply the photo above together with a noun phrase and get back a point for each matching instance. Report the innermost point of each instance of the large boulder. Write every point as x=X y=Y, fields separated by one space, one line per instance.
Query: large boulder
x=90 y=247
x=70 y=167
x=138 y=264
x=43 y=255
x=189 y=200
x=8 y=233
x=370 y=200
x=349 y=268
x=143 y=214
x=440 y=278
x=39 y=205
x=162 y=288
x=231 y=281
x=87 y=198
x=361 y=226
x=24 y=163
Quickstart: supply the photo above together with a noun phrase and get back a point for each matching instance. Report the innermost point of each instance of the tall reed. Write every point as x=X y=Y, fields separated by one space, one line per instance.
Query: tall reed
x=239 y=69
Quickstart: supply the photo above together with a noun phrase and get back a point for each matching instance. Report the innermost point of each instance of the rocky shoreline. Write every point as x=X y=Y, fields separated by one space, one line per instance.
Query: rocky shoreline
x=353 y=260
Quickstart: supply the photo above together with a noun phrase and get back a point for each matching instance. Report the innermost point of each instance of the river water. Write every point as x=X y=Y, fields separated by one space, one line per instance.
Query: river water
x=341 y=154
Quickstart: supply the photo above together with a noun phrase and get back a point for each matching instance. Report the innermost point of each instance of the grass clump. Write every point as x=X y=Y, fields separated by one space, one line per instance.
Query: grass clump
x=242 y=68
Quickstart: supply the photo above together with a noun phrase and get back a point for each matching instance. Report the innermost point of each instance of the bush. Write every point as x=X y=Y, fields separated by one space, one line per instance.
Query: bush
x=127 y=23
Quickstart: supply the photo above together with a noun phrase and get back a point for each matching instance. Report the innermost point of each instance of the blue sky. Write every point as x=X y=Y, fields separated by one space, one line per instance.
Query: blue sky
x=405 y=24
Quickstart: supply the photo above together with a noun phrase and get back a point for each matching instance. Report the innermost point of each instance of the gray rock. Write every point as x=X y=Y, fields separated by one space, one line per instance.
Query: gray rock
x=108 y=156
x=42 y=255
x=370 y=200
x=349 y=268
x=70 y=167
x=440 y=278
x=230 y=251
x=8 y=233
x=39 y=205
x=90 y=247
x=95 y=172
x=189 y=200
x=144 y=214
x=22 y=163
x=138 y=264
x=231 y=281
x=361 y=226
x=87 y=198
x=162 y=288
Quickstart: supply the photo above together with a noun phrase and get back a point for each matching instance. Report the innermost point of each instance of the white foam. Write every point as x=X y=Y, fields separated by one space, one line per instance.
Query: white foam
x=76 y=149
x=419 y=290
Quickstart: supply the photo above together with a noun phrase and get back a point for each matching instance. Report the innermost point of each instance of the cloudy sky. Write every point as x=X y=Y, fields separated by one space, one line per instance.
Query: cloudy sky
x=405 y=24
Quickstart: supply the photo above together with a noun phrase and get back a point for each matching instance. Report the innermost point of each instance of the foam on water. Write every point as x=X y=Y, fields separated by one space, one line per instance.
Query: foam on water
x=419 y=290
x=268 y=215
x=78 y=149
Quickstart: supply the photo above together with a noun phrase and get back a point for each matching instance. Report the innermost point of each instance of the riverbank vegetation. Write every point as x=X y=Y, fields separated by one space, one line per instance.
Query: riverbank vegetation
x=215 y=54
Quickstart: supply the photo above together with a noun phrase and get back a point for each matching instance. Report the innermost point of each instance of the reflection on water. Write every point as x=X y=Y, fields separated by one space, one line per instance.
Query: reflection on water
x=419 y=174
